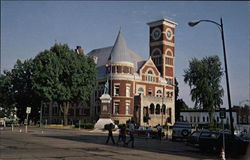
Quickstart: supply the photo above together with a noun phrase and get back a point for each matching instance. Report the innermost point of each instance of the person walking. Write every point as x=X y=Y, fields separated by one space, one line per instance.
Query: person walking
x=131 y=134
x=122 y=134
x=110 y=134
x=159 y=130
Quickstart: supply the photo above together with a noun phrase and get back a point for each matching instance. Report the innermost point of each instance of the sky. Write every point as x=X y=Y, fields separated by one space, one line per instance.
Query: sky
x=28 y=28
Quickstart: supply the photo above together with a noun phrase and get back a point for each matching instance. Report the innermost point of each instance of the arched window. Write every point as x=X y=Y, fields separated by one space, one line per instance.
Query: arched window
x=150 y=72
x=158 y=93
x=140 y=91
x=191 y=119
x=150 y=76
x=158 y=108
x=163 y=110
x=150 y=92
x=152 y=108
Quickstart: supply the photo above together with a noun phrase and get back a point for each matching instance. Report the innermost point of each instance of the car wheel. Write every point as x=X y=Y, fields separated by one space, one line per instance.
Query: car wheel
x=184 y=133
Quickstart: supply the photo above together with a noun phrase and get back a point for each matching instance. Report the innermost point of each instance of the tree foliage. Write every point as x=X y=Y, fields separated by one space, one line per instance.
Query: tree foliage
x=204 y=77
x=55 y=75
x=63 y=76
x=179 y=103
x=6 y=97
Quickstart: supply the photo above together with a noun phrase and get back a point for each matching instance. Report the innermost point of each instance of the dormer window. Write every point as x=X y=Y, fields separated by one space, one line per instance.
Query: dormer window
x=150 y=76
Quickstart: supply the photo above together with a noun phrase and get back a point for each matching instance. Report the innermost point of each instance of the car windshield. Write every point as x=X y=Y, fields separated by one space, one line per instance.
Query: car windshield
x=210 y=134
x=195 y=134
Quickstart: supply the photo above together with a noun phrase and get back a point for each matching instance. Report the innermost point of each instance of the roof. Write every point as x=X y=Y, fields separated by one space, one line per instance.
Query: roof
x=120 y=52
x=103 y=55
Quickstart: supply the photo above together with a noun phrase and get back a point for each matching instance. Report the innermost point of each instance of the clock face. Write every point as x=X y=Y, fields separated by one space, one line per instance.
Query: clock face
x=169 y=34
x=156 y=33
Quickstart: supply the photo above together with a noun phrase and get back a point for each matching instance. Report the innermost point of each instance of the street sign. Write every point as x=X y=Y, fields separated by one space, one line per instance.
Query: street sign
x=222 y=113
x=28 y=110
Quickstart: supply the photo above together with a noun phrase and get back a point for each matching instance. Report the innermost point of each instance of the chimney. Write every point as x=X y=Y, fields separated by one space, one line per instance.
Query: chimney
x=79 y=50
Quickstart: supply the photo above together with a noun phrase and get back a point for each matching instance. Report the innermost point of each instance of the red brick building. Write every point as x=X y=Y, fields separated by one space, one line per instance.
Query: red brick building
x=139 y=88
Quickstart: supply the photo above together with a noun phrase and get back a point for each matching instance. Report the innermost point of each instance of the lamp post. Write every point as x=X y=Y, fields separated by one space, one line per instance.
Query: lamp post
x=220 y=26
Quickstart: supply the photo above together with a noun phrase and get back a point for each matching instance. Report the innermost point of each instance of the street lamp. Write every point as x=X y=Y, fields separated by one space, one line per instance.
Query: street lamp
x=220 y=26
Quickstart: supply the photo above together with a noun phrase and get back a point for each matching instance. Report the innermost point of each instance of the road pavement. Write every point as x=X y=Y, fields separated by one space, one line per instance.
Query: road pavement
x=73 y=144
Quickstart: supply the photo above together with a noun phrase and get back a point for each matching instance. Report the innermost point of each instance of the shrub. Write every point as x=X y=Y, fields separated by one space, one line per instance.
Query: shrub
x=85 y=125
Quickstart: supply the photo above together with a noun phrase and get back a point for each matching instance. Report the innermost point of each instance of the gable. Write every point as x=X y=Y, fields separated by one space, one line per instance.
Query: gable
x=149 y=66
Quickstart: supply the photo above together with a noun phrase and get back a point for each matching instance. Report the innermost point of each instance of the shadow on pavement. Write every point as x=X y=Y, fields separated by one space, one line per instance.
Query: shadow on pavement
x=149 y=145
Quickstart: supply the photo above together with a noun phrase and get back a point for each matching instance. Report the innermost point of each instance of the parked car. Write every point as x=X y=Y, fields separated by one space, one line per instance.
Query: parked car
x=211 y=141
x=193 y=138
x=181 y=130
x=142 y=130
x=244 y=137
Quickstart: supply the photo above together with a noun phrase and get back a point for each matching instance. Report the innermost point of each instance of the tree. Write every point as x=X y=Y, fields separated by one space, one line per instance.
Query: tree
x=204 y=77
x=6 y=97
x=63 y=76
x=22 y=89
x=179 y=103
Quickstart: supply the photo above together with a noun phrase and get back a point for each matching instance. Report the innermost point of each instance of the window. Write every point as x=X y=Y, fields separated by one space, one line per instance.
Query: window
x=127 y=91
x=150 y=91
x=116 y=69
x=123 y=69
x=169 y=94
x=127 y=108
x=116 y=107
x=194 y=119
x=116 y=90
x=169 y=61
x=204 y=119
x=198 y=119
x=191 y=119
x=159 y=93
x=163 y=110
x=140 y=91
x=150 y=76
x=55 y=110
x=152 y=108
x=169 y=81
x=157 y=110
x=150 y=72
x=81 y=111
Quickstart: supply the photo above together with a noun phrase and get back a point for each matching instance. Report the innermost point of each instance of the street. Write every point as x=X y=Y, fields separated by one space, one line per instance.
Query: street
x=72 y=144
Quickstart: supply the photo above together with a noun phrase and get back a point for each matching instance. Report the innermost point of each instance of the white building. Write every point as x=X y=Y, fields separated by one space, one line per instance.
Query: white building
x=202 y=117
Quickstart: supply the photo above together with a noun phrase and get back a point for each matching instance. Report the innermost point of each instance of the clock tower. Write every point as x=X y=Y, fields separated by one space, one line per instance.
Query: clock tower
x=161 y=44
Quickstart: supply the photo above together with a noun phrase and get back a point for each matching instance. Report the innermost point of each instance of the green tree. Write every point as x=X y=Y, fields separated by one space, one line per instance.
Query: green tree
x=204 y=77
x=179 y=103
x=63 y=76
x=22 y=89
x=7 y=102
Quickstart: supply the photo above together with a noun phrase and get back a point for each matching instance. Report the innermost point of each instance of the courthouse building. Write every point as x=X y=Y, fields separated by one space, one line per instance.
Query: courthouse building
x=139 y=88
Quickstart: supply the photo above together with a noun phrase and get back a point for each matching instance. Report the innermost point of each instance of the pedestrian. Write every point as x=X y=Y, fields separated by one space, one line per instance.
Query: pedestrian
x=159 y=130
x=110 y=134
x=122 y=134
x=131 y=134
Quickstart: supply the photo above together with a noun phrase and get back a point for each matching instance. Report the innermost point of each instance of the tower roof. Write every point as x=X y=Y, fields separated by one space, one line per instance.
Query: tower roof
x=120 y=51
